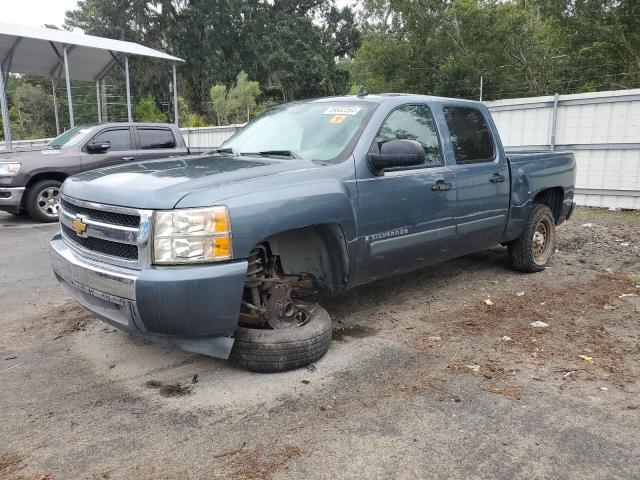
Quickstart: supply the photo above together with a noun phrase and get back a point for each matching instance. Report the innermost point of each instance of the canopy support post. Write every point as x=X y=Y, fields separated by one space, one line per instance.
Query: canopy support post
x=66 y=74
x=98 y=101
x=126 y=74
x=5 y=112
x=175 y=96
x=55 y=105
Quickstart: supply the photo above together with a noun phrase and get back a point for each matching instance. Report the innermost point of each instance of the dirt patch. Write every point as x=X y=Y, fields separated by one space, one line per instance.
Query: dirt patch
x=9 y=463
x=344 y=332
x=71 y=317
x=256 y=464
x=169 y=389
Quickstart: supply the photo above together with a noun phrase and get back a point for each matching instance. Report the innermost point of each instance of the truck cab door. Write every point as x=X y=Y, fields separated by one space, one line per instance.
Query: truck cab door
x=157 y=142
x=406 y=216
x=121 y=149
x=482 y=179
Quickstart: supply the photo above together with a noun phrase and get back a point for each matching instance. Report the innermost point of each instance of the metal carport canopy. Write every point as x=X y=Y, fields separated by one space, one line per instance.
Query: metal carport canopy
x=57 y=53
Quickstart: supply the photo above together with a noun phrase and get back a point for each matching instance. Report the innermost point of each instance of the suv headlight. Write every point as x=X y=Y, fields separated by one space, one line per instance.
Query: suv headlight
x=9 y=169
x=193 y=235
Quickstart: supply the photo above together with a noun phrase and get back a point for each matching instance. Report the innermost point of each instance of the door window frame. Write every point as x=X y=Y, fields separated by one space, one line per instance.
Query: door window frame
x=493 y=159
x=137 y=129
x=132 y=143
x=425 y=166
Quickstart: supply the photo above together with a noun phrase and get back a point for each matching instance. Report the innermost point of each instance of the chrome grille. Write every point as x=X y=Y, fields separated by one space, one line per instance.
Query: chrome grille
x=105 y=247
x=102 y=216
x=112 y=234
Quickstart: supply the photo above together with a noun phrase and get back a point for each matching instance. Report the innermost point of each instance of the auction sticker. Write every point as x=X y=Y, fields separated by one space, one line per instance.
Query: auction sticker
x=342 y=110
x=337 y=119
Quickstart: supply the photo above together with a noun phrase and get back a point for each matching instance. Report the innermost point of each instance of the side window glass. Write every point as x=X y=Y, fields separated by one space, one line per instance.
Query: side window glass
x=120 y=139
x=152 y=138
x=412 y=122
x=470 y=135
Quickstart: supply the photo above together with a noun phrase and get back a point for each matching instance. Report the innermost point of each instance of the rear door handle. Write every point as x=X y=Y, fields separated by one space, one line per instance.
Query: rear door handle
x=441 y=186
x=497 y=178
x=128 y=159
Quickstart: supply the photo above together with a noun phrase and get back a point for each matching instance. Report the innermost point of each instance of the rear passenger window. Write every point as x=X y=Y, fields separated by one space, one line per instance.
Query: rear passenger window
x=412 y=122
x=151 y=138
x=120 y=139
x=470 y=135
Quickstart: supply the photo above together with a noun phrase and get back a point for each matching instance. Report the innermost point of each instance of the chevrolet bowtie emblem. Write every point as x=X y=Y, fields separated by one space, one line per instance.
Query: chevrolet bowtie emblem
x=79 y=226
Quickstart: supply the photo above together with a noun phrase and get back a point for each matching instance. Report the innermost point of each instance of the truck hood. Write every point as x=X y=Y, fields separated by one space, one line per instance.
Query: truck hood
x=161 y=184
x=31 y=155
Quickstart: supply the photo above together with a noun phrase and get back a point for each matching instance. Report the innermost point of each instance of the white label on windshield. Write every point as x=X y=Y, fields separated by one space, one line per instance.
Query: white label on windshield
x=50 y=152
x=342 y=110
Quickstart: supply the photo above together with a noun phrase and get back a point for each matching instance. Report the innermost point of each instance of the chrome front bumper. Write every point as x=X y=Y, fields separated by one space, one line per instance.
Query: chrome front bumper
x=11 y=198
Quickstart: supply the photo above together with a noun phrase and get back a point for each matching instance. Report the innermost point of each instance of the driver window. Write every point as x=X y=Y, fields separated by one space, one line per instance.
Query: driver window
x=120 y=139
x=412 y=122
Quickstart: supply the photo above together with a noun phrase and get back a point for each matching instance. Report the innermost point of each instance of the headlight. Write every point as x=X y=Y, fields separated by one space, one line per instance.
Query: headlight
x=192 y=236
x=9 y=169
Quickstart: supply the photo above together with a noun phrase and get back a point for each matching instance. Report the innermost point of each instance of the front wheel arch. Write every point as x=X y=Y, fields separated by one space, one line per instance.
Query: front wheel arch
x=317 y=250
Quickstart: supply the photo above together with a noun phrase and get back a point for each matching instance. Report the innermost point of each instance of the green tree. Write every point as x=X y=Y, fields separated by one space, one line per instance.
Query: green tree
x=146 y=110
x=238 y=103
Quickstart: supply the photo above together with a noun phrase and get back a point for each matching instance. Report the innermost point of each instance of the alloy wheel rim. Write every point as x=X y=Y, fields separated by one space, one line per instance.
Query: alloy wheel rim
x=48 y=201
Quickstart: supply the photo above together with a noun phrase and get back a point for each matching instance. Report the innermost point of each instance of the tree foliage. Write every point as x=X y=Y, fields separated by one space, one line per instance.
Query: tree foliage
x=292 y=49
x=519 y=47
x=236 y=104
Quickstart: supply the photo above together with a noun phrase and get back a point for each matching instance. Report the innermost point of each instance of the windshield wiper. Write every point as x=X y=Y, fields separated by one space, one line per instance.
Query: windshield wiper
x=272 y=153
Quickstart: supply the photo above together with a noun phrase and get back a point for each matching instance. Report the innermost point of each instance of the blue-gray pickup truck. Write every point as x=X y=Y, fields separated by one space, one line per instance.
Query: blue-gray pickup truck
x=217 y=253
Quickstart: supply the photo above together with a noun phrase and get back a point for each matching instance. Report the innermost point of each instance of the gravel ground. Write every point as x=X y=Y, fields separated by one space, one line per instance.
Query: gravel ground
x=425 y=377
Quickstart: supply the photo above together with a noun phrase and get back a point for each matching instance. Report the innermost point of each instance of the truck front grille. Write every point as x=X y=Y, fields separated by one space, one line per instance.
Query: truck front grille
x=106 y=233
x=102 y=216
x=104 y=247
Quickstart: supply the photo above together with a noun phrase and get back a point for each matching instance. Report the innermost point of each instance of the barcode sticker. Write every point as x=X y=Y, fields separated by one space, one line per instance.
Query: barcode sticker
x=342 y=110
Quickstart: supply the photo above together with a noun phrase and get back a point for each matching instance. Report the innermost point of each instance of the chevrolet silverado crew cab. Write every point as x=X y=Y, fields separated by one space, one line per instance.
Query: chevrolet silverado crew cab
x=30 y=179
x=217 y=253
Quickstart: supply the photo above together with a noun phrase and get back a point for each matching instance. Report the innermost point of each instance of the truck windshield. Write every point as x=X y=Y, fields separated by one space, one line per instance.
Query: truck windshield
x=311 y=131
x=70 y=137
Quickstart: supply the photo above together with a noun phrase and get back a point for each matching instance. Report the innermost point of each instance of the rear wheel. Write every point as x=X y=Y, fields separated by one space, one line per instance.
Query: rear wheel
x=531 y=252
x=42 y=200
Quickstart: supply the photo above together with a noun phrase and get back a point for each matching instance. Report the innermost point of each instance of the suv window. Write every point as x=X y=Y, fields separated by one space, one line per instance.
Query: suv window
x=470 y=135
x=412 y=122
x=119 y=138
x=151 y=138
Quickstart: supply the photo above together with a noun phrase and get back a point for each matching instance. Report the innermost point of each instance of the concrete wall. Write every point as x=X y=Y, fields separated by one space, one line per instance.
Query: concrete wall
x=602 y=129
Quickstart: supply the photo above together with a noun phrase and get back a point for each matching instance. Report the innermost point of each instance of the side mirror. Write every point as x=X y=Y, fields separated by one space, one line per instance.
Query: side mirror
x=396 y=154
x=97 y=147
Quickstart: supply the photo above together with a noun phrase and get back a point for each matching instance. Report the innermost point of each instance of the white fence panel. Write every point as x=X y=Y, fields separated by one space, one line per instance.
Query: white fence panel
x=208 y=137
x=602 y=129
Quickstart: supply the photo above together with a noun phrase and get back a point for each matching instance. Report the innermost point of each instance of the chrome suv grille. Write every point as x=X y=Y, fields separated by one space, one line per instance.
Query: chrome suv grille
x=106 y=233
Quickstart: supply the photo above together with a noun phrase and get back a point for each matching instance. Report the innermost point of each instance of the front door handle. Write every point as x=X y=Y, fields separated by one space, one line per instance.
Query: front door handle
x=497 y=178
x=128 y=159
x=441 y=186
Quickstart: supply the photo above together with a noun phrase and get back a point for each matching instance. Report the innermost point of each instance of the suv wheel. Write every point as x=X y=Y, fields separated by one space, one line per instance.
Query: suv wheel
x=42 y=200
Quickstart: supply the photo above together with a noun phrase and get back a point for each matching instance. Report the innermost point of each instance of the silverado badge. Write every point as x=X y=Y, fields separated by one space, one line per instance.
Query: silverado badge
x=79 y=226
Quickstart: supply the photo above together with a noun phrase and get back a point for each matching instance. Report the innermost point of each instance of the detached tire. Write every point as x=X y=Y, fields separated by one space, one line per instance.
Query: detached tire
x=265 y=350
x=531 y=252
x=41 y=201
